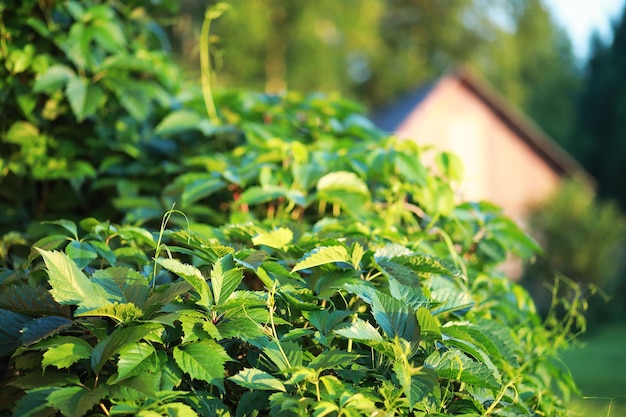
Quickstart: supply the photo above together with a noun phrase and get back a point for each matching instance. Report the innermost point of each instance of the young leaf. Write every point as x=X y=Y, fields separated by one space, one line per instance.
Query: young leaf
x=69 y=284
x=193 y=276
x=321 y=256
x=132 y=356
x=120 y=337
x=122 y=313
x=256 y=379
x=429 y=325
x=203 y=360
x=276 y=239
x=67 y=352
x=360 y=330
x=225 y=278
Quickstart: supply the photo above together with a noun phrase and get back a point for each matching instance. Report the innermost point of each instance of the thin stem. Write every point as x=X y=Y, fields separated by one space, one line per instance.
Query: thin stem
x=205 y=65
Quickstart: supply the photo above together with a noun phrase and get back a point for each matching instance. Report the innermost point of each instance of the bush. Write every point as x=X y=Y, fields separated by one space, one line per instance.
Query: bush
x=319 y=267
x=583 y=239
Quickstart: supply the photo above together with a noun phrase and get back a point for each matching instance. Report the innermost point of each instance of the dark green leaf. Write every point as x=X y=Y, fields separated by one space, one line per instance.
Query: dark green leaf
x=11 y=330
x=120 y=337
x=43 y=327
x=203 y=360
x=75 y=401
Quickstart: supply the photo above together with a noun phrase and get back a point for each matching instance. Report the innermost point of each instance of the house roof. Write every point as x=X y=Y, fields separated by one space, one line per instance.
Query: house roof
x=390 y=118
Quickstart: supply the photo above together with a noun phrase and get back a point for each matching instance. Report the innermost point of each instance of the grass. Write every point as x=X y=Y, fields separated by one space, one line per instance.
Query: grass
x=599 y=369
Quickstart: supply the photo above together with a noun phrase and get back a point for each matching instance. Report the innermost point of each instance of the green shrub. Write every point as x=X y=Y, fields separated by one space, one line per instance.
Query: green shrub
x=319 y=268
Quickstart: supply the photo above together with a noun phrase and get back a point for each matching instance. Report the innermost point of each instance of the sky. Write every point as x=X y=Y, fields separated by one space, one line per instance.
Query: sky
x=581 y=17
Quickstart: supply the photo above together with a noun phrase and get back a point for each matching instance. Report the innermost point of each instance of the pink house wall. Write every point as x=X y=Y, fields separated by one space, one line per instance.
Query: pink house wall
x=499 y=166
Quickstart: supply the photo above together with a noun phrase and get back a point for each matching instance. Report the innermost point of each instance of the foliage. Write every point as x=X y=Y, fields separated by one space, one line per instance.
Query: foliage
x=343 y=279
x=598 y=141
x=272 y=45
x=583 y=237
x=320 y=267
x=83 y=86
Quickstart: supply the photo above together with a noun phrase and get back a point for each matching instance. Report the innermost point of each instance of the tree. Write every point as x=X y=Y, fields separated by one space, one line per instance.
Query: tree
x=600 y=139
x=531 y=62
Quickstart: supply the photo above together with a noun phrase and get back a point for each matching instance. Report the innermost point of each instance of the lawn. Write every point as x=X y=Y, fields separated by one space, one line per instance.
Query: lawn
x=599 y=368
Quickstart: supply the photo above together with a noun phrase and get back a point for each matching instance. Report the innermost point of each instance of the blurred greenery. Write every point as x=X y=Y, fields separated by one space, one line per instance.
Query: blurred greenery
x=583 y=238
x=377 y=50
x=599 y=369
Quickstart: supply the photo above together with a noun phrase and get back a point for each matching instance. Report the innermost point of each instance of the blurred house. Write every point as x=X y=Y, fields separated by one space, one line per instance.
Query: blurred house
x=507 y=159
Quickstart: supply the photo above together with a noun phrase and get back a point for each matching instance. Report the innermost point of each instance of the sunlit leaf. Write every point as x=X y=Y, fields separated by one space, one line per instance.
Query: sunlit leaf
x=225 y=278
x=193 y=276
x=132 y=356
x=69 y=284
x=321 y=256
x=256 y=379
x=66 y=352
x=277 y=238
x=203 y=360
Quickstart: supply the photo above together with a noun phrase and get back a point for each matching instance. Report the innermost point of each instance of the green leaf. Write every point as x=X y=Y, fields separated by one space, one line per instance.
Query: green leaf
x=203 y=360
x=333 y=359
x=178 y=122
x=257 y=195
x=284 y=355
x=277 y=238
x=75 y=401
x=410 y=168
x=455 y=365
x=429 y=325
x=120 y=337
x=68 y=225
x=179 y=410
x=403 y=274
x=122 y=313
x=392 y=315
x=256 y=379
x=428 y=265
x=76 y=91
x=321 y=256
x=11 y=330
x=342 y=181
x=50 y=378
x=81 y=253
x=32 y=300
x=225 y=278
x=67 y=352
x=53 y=79
x=450 y=165
x=34 y=403
x=360 y=330
x=417 y=383
x=69 y=284
x=43 y=327
x=452 y=299
x=193 y=186
x=193 y=276
x=132 y=357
